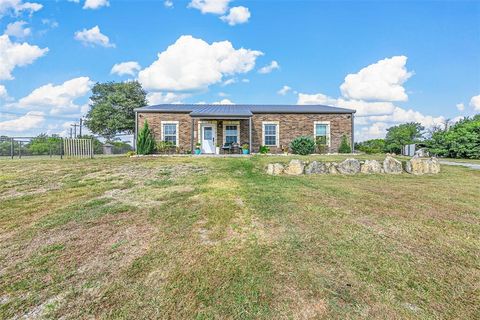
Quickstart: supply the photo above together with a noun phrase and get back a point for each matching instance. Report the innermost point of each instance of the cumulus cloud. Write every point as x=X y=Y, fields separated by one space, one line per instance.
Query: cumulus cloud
x=126 y=68
x=460 y=106
x=165 y=97
x=475 y=103
x=18 y=6
x=18 y=29
x=284 y=90
x=95 y=4
x=30 y=120
x=381 y=81
x=57 y=98
x=373 y=131
x=269 y=68
x=92 y=37
x=168 y=3
x=14 y=55
x=210 y=6
x=224 y=101
x=237 y=15
x=193 y=64
x=3 y=92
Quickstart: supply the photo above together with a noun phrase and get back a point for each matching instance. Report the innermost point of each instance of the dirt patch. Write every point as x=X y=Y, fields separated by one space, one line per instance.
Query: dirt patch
x=14 y=192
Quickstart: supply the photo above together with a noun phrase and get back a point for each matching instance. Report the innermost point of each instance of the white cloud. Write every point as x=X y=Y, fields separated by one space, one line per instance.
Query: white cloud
x=95 y=4
x=30 y=120
x=224 y=101
x=237 y=15
x=460 y=106
x=18 y=6
x=229 y=82
x=270 y=67
x=14 y=55
x=168 y=3
x=18 y=29
x=59 y=99
x=3 y=92
x=50 y=23
x=381 y=81
x=192 y=64
x=318 y=98
x=126 y=68
x=400 y=115
x=245 y=80
x=475 y=103
x=373 y=131
x=167 y=97
x=93 y=37
x=210 y=6
x=284 y=90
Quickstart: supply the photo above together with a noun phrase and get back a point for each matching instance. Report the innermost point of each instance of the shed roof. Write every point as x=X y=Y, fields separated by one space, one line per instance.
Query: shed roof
x=239 y=110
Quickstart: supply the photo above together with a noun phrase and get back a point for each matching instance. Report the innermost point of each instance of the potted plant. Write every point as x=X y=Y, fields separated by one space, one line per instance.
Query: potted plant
x=198 y=148
x=217 y=149
x=245 y=149
x=285 y=149
x=264 y=149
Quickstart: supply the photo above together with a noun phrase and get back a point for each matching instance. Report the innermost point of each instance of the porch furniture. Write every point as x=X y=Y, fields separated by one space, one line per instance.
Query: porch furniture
x=227 y=147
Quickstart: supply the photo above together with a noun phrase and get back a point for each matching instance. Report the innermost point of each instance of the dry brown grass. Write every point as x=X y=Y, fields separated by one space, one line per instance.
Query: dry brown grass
x=217 y=238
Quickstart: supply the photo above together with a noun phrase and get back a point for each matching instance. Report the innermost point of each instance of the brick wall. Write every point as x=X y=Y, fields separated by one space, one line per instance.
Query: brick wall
x=291 y=126
x=295 y=125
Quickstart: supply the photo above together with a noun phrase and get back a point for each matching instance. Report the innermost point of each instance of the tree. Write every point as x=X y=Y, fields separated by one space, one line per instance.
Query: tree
x=371 y=146
x=401 y=135
x=344 y=146
x=145 y=141
x=43 y=144
x=111 y=109
x=460 y=140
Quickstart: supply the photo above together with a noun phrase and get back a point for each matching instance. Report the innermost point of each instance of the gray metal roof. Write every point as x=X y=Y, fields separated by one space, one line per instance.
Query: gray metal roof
x=239 y=110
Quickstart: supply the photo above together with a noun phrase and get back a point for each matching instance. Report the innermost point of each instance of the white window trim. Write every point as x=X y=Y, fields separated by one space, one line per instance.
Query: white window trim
x=176 y=123
x=328 y=130
x=278 y=133
x=231 y=123
x=199 y=137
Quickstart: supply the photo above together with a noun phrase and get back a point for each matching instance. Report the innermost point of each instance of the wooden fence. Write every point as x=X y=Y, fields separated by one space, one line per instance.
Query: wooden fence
x=79 y=148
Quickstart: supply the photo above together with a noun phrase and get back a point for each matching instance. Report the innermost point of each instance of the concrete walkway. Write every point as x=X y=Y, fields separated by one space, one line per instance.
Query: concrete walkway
x=463 y=164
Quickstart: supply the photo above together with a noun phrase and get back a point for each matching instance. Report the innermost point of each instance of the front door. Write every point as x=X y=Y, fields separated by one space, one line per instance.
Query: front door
x=208 y=139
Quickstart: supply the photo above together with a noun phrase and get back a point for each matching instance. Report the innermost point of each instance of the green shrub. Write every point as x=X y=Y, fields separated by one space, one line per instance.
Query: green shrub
x=321 y=144
x=344 y=146
x=303 y=145
x=165 y=147
x=145 y=141
x=264 y=149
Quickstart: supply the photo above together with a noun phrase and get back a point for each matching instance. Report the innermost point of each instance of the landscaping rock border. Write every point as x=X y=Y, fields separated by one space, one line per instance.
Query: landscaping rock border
x=351 y=166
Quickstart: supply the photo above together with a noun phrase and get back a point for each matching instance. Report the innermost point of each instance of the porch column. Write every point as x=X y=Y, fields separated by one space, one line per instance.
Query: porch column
x=193 y=135
x=250 y=134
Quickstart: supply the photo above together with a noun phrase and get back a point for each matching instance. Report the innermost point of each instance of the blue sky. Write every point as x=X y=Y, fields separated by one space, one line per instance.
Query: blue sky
x=393 y=61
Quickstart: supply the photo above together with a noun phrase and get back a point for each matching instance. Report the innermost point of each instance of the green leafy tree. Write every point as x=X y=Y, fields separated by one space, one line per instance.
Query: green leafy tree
x=145 y=141
x=112 y=107
x=462 y=140
x=401 y=135
x=371 y=146
x=43 y=145
x=344 y=146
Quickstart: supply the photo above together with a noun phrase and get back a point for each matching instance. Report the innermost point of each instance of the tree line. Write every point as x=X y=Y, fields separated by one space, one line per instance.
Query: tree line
x=460 y=140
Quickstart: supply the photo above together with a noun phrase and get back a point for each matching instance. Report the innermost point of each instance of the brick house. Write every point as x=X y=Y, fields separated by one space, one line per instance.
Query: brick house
x=275 y=126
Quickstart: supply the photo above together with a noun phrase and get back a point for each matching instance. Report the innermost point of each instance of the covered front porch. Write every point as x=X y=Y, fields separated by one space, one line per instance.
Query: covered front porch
x=221 y=130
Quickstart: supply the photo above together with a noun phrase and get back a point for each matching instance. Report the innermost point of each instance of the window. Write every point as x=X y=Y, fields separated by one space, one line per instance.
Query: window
x=270 y=134
x=231 y=134
x=322 y=132
x=170 y=132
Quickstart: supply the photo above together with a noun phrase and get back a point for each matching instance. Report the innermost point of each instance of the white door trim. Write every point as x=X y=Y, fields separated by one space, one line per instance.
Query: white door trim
x=214 y=136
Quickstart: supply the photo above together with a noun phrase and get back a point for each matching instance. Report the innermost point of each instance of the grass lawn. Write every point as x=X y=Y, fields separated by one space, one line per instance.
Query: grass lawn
x=217 y=238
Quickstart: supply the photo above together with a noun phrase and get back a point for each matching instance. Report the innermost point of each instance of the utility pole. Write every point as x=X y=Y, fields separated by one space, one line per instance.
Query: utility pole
x=81 y=123
x=75 y=129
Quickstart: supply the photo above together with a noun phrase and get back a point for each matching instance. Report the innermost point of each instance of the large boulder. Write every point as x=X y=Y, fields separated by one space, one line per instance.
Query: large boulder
x=275 y=169
x=392 y=165
x=371 y=167
x=331 y=167
x=294 y=168
x=419 y=166
x=316 y=168
x=349 y=166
